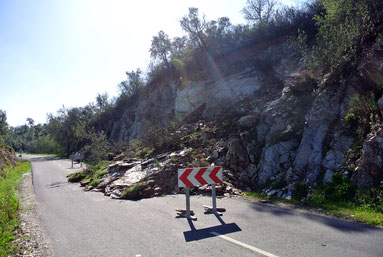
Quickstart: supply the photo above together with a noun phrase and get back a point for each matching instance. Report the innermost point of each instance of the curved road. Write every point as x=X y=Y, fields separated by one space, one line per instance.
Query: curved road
x=82 y=223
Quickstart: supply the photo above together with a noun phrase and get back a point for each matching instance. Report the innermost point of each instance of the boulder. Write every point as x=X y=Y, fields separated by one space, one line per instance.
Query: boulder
x=249 y=121
x=236 y=156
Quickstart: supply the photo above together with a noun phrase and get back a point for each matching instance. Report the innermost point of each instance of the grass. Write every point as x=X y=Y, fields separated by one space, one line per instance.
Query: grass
x=132 y=192
x=363 y=214
x=9 y=205
x=94 y=174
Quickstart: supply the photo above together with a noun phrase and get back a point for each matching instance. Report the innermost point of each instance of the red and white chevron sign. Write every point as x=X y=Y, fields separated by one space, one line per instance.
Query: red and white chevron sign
x=199 y=176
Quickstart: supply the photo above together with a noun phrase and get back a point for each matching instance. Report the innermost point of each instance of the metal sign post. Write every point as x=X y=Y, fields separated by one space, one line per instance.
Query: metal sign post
x=214 y=209
x=77 y=157
x=187 y=213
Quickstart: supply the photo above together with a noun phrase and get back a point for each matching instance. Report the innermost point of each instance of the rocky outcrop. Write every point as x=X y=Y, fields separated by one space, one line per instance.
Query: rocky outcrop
x=233 y=95
x=370 y=169
x=261 y=124
x=7 y=157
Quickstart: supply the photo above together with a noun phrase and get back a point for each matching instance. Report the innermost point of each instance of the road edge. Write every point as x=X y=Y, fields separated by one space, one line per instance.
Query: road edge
x=32 y=239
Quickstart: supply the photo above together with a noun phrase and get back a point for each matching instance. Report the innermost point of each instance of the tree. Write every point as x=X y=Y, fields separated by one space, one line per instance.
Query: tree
x=259 y=11
x=102 y=101
x=3 y=124
x=161 y=47
x=178 y=45
x=342 y=27
x=130 y=86
x=195 y=27
x=217 y=31
x=30 y=121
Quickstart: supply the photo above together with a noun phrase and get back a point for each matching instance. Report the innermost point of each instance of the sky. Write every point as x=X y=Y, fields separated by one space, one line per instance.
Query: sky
x=65 y=52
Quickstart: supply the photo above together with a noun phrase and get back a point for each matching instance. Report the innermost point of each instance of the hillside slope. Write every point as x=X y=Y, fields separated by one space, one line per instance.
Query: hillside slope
x=271 y=125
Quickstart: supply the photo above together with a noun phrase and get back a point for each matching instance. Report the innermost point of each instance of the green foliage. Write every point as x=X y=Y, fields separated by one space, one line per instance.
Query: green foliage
x=301 y=190
x=351 y=118
x=94 y=182
x=134 y=82
x=132 y=193
x=340 y=189
x=32 y=138
x=96 y=172
x=341 y=28
x=77 y=176
x=372 y=198
x=145 y=152
x=363 y=109
x=9 y=205
x=97 y=147
x=279 y=183
x=3 y=125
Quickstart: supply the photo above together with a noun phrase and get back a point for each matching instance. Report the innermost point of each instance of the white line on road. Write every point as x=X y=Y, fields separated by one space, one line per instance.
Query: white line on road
x=255 y=249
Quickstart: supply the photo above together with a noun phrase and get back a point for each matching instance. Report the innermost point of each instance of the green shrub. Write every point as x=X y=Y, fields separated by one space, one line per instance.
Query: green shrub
x=340 y=189
x=362 y=109
x=301 y=190
x=94 y=182
x=351 y=118
x=372 y=198
x=77 y=176
x=318 y=195
x=341 y=28
x=279 y=183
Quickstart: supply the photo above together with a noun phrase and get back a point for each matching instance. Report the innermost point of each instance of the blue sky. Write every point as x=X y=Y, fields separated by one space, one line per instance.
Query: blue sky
x=64 y=52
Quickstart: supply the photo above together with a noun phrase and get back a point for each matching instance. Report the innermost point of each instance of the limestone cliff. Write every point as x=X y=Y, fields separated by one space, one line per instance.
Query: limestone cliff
x=289 y=126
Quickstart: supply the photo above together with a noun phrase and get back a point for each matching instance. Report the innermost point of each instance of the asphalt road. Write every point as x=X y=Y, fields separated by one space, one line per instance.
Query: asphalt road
x=82 y=223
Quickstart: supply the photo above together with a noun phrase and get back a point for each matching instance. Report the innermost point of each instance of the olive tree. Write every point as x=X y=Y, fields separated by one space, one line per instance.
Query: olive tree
x=259 y=11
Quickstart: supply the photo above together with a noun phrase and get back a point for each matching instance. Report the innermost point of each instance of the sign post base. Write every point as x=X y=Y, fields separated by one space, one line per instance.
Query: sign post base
x=189 y=214
x=214 y=209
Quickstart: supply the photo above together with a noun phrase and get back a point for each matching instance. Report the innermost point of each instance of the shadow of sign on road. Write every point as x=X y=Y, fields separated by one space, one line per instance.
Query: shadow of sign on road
x=199 y=234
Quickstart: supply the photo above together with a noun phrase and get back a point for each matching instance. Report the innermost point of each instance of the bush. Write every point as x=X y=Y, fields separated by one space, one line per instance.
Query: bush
x=341 y=29
x=340 y=189
x=301 y=190
x=372 y=198
x=363 y=109
x=77 y=176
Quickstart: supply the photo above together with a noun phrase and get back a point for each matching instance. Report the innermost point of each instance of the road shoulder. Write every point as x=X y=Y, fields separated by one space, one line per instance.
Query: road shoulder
x=31 y=237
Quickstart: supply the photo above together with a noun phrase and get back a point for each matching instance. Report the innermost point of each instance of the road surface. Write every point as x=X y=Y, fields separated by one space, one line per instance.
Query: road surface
x=82 y=223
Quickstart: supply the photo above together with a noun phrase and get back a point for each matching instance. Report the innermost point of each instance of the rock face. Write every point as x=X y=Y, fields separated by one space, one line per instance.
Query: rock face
x=370 y=169
x=284 y=126
x=224 y=94
x=7 y=157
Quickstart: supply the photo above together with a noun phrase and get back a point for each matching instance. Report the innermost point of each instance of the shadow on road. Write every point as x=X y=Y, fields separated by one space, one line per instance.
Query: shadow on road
x=198 y=234
x=336 y=223
x=56 y=184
